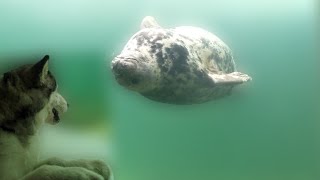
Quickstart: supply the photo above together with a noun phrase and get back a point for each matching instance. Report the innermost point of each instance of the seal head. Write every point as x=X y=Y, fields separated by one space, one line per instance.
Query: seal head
x=132 y=73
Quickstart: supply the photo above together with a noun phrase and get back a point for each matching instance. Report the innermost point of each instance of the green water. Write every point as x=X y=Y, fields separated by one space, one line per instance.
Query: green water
x=267 y=130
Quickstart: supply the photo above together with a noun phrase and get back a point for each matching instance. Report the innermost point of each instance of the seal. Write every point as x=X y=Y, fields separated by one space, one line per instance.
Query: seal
x=182 y=65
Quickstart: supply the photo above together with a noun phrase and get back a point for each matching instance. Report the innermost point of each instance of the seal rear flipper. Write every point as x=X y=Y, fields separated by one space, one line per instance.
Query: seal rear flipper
x=233 y=78
x=149 y=22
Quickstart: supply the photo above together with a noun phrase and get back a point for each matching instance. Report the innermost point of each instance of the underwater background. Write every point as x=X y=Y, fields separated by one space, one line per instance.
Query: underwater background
x=268 y=129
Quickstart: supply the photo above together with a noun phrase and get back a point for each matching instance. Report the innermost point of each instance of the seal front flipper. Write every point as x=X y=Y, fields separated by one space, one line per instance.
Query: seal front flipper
x=233 y=78
x=149 y=22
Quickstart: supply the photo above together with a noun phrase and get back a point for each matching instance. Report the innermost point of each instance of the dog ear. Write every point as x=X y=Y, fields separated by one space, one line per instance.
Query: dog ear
x=41 y=69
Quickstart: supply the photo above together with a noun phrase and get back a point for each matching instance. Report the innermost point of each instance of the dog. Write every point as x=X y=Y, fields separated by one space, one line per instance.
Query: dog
x=28 y=99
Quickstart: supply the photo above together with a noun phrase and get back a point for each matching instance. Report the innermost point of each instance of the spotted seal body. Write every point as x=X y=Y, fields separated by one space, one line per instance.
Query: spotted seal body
x=183 y=65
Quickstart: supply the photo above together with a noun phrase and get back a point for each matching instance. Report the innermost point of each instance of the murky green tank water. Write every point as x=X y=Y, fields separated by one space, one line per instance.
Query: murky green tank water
x=268 y=129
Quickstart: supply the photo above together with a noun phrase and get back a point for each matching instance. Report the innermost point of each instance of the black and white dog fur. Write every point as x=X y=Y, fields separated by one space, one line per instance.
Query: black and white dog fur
x=28 y=99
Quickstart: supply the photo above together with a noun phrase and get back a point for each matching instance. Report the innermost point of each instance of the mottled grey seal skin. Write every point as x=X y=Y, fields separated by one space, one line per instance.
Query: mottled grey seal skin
x=183 y=65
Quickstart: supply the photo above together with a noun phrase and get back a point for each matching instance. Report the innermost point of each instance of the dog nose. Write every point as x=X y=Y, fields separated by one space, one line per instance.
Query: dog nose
x=68 y=105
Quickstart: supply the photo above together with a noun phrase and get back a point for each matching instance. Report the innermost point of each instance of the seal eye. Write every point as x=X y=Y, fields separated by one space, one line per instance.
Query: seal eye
x=8 y=77
x=135 y=81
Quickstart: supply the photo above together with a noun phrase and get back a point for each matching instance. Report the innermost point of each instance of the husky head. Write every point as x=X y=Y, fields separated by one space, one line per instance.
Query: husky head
x=28 y=98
